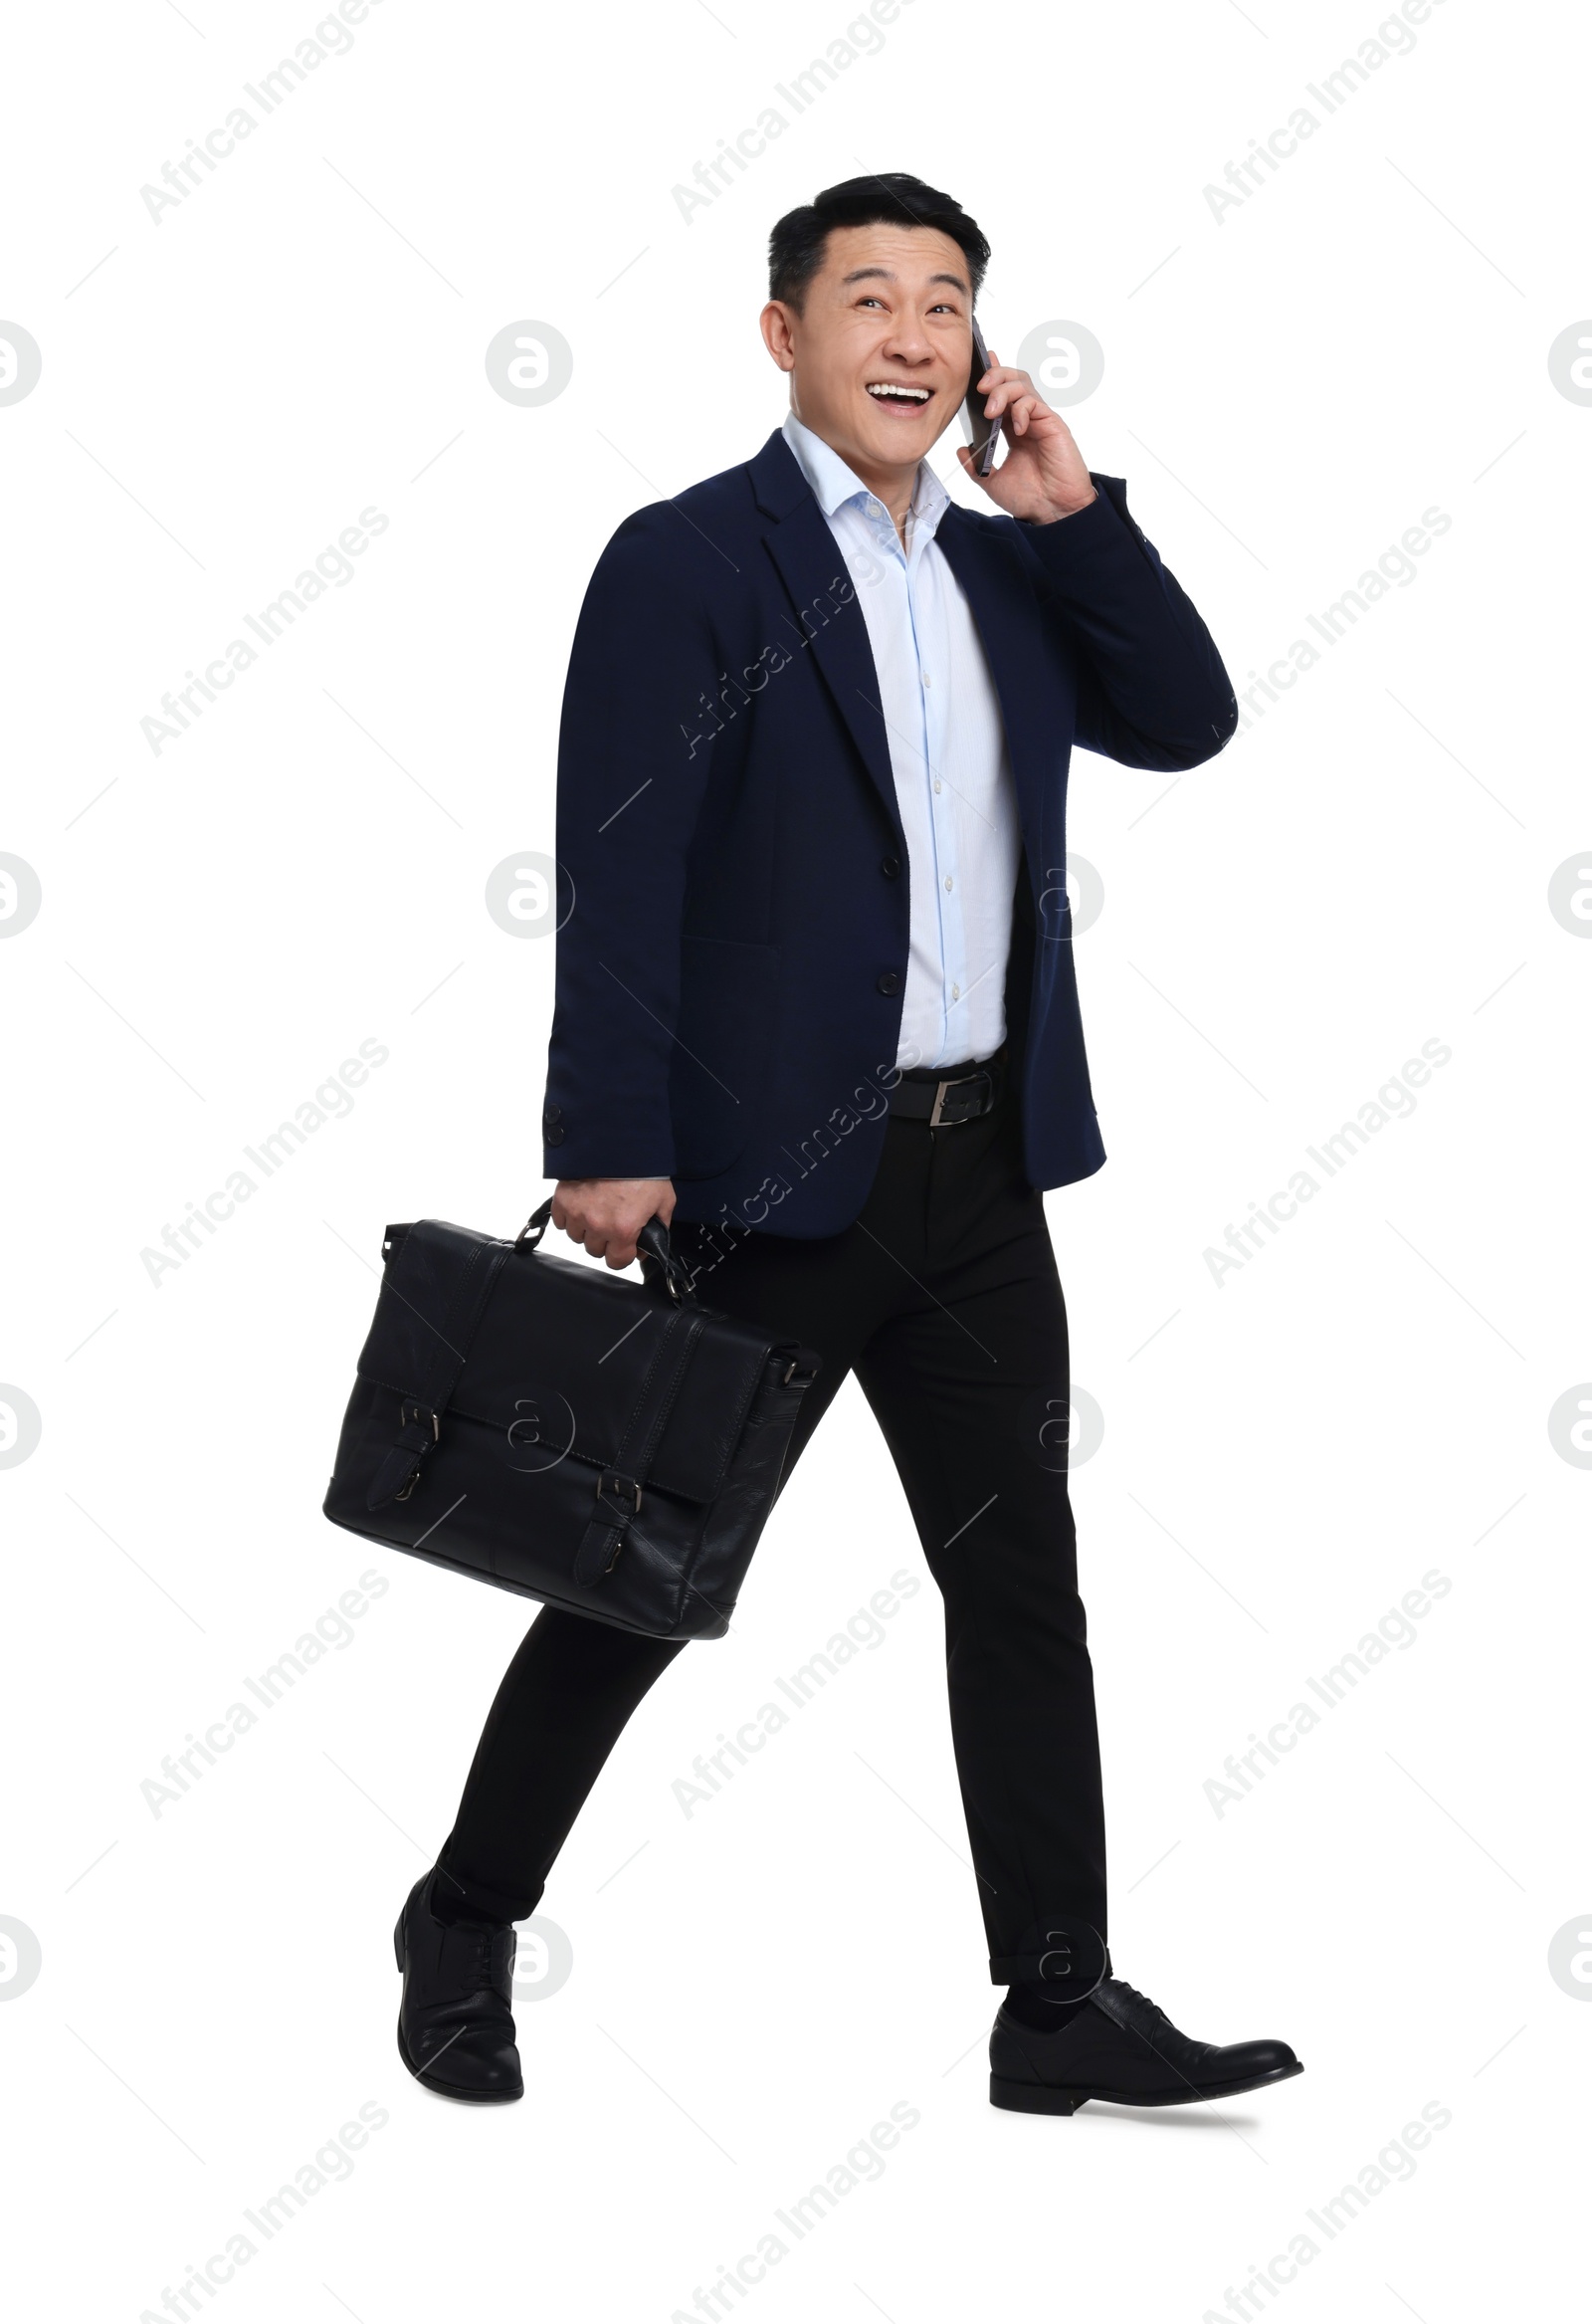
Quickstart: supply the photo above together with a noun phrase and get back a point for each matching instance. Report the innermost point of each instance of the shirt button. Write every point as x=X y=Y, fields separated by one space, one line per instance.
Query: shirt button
x=927 y=680
x=956 y=992
x=947 y=883
x=891 y=866
x=936 y=782
x=890 y=982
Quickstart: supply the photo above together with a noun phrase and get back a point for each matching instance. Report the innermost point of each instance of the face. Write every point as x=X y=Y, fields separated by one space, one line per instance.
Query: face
x=879 y=353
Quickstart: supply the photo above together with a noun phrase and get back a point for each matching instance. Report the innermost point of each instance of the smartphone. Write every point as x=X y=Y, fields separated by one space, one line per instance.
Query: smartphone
x=981 y=436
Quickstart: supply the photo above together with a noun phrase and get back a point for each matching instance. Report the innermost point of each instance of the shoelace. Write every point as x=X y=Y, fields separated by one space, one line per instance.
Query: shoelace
x=1156 y=2014
x=489 y=1944
x=490 y=1976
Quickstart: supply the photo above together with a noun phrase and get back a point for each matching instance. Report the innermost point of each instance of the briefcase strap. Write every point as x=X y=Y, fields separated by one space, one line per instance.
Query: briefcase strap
x=618 y=1487
x=448 y=1338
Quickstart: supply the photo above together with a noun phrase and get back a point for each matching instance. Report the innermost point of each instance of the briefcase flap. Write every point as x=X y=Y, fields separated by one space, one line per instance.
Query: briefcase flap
x=562 y=1356
x=422 y=1321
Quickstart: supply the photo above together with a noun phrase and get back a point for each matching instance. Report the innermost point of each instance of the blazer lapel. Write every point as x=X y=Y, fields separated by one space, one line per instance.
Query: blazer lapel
x=826 y=618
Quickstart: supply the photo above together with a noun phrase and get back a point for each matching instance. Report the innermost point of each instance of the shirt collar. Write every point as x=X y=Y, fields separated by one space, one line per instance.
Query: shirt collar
x=834 y=484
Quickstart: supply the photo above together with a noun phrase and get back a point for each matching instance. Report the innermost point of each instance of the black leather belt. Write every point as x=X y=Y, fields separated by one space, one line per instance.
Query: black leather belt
x=942 y=1096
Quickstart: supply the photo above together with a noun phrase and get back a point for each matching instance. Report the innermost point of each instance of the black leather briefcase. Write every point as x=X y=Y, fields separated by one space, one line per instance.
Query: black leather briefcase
x=608 y=1446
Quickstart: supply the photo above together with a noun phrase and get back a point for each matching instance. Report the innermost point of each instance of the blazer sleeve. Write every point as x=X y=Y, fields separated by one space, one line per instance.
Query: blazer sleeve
x=634 y=748
x=1152 y=690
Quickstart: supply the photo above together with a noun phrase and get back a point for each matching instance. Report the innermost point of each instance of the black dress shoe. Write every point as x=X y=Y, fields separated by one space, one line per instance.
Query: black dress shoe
x=455 y=2033
x=1119 y=2046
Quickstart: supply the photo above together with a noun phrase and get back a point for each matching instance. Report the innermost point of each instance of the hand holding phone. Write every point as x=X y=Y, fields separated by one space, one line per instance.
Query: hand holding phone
x=1043 y=476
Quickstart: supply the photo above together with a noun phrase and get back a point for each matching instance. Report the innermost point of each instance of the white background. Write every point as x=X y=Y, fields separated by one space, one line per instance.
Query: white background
x=1368 y=868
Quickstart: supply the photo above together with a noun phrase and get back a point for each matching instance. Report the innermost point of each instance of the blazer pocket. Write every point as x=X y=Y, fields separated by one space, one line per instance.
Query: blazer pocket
x=729 y=1005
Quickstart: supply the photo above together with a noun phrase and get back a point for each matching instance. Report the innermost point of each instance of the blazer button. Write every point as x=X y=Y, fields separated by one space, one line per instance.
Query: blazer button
x=552 y=1113
x=552 y=1135
x=890 y=981
x=891 y=866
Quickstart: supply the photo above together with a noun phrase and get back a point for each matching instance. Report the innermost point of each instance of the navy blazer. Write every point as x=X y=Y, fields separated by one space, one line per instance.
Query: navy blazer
x=733 y=880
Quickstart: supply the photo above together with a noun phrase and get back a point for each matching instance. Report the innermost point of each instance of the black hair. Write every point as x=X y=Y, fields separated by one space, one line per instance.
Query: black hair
x=796 y=245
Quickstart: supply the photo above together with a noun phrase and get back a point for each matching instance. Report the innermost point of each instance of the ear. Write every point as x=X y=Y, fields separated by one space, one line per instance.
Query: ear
x=778 y=328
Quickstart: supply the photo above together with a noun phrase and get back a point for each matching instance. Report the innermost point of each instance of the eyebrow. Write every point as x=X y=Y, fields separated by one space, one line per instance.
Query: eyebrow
x=884 y=274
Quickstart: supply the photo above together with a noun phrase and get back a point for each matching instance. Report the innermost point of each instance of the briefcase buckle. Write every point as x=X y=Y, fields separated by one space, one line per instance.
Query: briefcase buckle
x=413 y=1416
x=612 y=1483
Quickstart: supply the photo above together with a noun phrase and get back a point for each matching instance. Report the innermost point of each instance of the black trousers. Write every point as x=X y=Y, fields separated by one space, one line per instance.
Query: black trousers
x=944 y=1300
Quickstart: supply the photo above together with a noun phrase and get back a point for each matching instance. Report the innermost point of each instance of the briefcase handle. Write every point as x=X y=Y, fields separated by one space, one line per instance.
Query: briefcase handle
x=652 y=1239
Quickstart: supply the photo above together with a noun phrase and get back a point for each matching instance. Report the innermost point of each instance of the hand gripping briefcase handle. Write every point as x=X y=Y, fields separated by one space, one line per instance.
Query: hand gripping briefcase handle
x=559 y=1430
x=652 y=1239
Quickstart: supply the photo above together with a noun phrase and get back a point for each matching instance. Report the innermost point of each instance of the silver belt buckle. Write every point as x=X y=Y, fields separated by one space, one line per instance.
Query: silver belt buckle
x=939 y=1098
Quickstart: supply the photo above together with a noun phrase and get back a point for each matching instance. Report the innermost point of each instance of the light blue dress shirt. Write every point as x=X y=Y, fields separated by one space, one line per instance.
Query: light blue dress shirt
x=947 y=752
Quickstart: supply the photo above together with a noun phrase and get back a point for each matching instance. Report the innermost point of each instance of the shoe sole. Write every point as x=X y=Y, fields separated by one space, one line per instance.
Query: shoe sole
x=1036 y=2098
x=427 y=2081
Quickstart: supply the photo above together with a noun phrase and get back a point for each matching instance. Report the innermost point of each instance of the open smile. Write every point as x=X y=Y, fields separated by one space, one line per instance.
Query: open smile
x=900 y=395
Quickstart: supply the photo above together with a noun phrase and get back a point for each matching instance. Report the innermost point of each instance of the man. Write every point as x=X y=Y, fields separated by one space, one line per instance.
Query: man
x=815 y=1006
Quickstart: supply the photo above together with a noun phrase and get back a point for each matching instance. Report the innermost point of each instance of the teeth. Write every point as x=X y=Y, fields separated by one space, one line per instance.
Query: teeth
x=891 y=387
